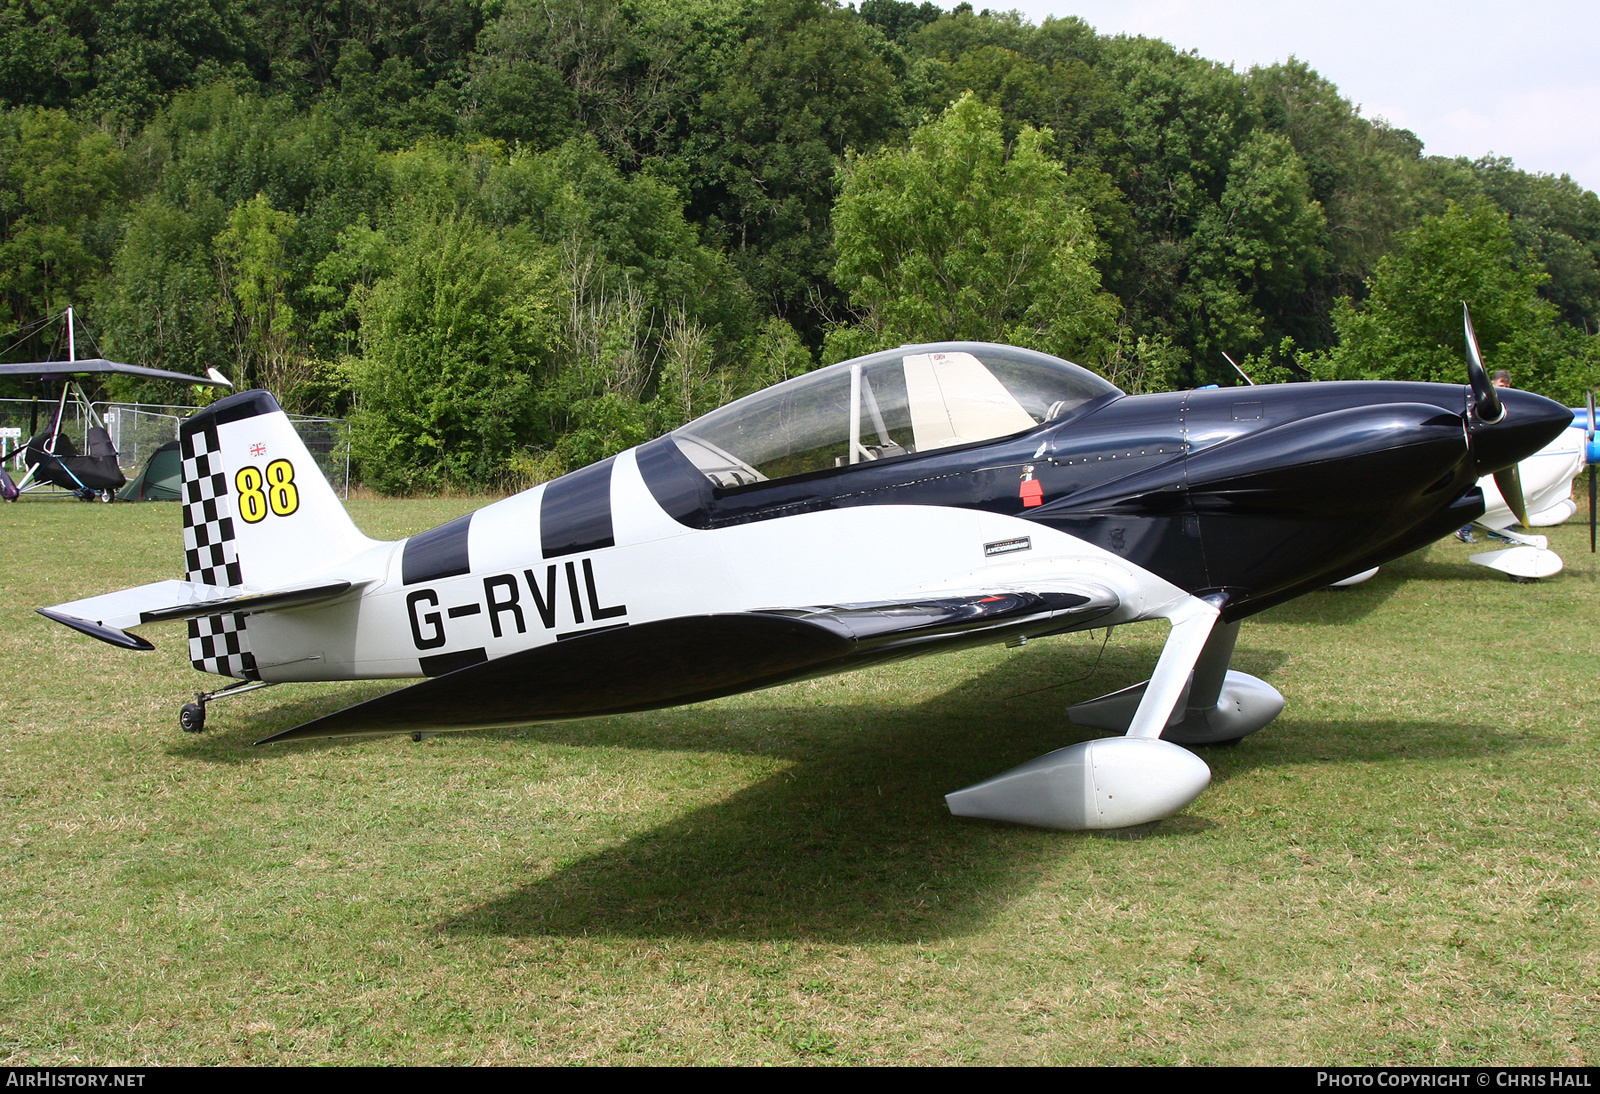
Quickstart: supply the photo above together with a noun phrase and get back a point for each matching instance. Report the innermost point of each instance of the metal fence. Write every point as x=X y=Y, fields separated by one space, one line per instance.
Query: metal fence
x=138 y=429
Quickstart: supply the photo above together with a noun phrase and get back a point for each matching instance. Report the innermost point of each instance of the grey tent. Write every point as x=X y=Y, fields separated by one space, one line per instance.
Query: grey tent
x=161 y=479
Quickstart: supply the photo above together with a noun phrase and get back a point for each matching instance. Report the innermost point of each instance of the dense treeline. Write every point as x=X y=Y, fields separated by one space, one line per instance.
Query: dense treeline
x=511 y=236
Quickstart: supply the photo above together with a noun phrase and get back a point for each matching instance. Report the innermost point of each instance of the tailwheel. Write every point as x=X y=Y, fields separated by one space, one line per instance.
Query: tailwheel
x=192 y=718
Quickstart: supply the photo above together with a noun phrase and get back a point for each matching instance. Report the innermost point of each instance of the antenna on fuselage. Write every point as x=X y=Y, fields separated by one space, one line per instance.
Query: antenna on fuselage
x=1237 y=369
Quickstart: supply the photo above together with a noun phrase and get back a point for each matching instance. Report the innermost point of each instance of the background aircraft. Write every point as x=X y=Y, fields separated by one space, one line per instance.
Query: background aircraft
x=1545 y=483
x=50 y=456
x=914 y=500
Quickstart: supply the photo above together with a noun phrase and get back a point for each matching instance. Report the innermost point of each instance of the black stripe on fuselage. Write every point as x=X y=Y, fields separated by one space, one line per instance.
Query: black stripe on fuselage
x=444 y=663
x=438 y=552
x=575 y=513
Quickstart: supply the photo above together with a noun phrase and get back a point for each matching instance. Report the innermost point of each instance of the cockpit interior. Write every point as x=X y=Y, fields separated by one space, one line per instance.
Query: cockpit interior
x=884 y=406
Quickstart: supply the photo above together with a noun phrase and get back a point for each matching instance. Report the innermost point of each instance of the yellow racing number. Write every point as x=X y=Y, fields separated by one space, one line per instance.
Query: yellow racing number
x=252 y=502
x=281 y=493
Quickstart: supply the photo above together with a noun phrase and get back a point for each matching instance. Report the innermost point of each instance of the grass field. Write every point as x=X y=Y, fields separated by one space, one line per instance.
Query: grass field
x=1401 y=869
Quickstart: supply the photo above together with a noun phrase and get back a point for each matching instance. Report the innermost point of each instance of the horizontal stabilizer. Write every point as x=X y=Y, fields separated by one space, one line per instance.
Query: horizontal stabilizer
x=105 y=617
x=249 y=603
x=116 y=636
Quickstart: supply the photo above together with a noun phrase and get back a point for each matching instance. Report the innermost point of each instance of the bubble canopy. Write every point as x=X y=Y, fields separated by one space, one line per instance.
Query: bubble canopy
x=886 y=405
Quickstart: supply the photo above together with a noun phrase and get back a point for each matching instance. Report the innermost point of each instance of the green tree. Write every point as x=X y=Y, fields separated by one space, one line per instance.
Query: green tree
x=252 y=298
x=44 y=58
x=452 y=341
x=389 y=99
x=955 y=238
x=1361 y=172
x=1260 y=244
x=521 y=102
x=119 y=61
x=811 y=81
x=633 y=71
x=1410 y=325
x=1559 y=221
x=305 y=38
x=61 y=187
x=160 y=301
x=899 y=19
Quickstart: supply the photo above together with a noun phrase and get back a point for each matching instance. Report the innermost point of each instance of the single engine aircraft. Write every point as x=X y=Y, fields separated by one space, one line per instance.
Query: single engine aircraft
x=50 y=456
x=915 y=500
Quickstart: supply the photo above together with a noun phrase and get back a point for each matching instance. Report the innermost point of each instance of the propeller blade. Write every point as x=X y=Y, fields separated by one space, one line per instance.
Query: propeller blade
x=1510 y=483
x=1591 y=508
x=1588 y=429
x=1484 y=397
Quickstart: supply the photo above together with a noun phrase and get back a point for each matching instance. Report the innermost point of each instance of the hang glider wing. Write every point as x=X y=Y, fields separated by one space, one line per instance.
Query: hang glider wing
x=690 y=659
x=96 y=366
x=106 y=617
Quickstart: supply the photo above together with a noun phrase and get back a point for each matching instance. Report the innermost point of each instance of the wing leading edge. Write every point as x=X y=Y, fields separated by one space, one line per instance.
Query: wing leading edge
x=695 y=658
x=97 y=366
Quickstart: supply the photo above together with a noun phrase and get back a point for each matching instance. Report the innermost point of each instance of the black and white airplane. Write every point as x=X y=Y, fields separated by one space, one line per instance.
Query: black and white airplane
x=915 y=500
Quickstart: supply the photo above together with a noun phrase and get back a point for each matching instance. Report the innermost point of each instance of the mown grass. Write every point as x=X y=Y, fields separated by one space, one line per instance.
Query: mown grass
x=1401 y=869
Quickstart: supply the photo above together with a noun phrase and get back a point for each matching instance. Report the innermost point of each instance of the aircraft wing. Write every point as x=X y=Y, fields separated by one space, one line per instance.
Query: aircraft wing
x=105 y=617
x=690 y=659
x=97 y=366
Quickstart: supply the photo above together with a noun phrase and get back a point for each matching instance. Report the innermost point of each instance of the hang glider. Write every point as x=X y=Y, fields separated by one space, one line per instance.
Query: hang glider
x=921 y=499
x=50 y=456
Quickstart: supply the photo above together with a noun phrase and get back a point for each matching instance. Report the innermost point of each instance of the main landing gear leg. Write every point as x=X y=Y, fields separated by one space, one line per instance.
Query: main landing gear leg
x=192 y=717
x=1218 y=706
x=1121 y=782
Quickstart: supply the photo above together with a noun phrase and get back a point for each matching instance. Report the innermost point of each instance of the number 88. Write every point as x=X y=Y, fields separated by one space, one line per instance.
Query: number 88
x=280 y=496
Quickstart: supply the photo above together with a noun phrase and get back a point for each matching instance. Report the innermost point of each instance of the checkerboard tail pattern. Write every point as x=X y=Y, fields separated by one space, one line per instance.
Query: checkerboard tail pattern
x=217 y=644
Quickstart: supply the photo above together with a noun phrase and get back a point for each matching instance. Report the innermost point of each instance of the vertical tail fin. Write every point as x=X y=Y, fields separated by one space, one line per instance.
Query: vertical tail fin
x=257 y=511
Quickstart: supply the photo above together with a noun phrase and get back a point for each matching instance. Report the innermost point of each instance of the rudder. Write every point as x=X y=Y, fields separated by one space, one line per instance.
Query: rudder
x=257 y=511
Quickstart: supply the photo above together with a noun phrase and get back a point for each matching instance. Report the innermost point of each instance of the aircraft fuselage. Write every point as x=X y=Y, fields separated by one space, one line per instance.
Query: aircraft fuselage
x=1249 y=496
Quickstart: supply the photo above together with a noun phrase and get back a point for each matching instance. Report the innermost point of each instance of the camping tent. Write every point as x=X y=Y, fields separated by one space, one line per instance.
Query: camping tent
x=161 y=479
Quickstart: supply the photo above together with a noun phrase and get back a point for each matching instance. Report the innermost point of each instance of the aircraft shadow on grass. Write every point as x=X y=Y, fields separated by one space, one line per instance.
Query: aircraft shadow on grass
x=853 y=842
x=1336 y=607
